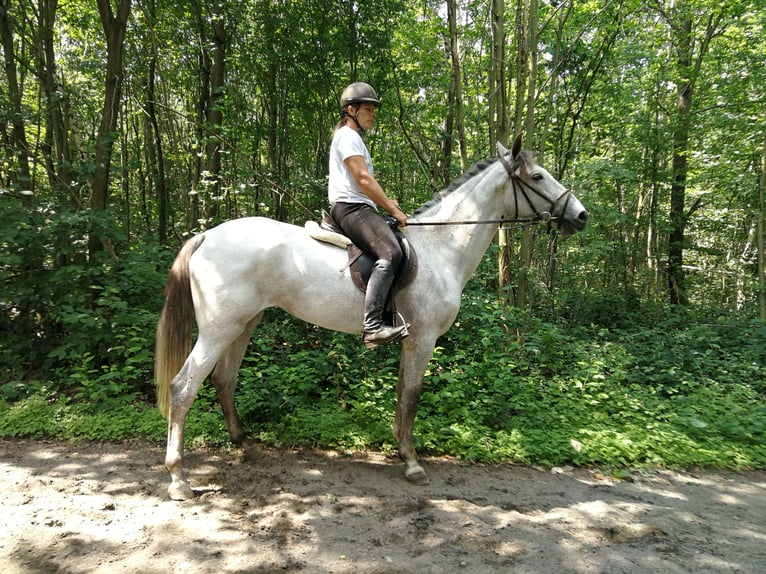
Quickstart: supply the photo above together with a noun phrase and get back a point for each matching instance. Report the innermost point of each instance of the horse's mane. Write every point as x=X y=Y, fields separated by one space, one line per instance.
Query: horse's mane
x=475 y=170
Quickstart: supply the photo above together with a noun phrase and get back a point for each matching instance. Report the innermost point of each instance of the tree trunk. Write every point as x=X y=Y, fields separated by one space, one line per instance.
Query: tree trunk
x=553 y=80
x=685 y=90
x=214 y=111
x=687 y=70
x=522 y=66
x=158 y=162
x=56 y=148
x=526 y=249
x=19 y=148
x=506 y=279
x=760 y=242
x=114 y=24
x=457 y=85
x=499 y=132
x=499 y=127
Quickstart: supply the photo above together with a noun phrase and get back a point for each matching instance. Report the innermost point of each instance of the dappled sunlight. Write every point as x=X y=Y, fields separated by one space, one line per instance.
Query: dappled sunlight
x=103 y=508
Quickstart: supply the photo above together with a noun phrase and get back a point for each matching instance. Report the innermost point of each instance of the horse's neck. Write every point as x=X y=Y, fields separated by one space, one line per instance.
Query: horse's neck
x=461 y=247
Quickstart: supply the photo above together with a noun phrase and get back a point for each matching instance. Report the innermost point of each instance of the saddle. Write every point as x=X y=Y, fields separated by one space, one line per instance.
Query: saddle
x=360 y=264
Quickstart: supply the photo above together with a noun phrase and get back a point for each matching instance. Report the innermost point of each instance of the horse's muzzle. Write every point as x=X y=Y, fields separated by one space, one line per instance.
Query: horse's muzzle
x=570 y=225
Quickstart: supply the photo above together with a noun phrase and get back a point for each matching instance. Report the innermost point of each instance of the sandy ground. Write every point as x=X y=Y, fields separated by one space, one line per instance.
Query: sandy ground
x=102 y=508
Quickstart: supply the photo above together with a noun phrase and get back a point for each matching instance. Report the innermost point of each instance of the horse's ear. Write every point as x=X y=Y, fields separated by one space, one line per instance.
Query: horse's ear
x=516 y=148
x=501 y=150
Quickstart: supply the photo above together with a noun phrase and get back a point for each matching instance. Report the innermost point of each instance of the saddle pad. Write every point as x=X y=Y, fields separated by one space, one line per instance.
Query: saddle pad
x=321 y=234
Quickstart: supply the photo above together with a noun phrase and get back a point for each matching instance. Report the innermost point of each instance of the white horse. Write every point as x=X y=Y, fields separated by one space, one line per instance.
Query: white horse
x=226 y=277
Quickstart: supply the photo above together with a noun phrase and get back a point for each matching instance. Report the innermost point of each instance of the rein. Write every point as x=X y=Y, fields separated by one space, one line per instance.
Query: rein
x=540 y=216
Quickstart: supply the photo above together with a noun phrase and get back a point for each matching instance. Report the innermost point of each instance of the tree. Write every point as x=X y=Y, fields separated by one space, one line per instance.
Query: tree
x=114 y=24
x=154 y=146
x=690 y=51
x=455 y=122
x=760 y=243
x=17 y=147
x=499 y=126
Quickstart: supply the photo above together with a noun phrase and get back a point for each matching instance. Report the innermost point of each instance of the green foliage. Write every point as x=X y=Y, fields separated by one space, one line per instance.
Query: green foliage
x=612 y=385
x=595 y=371
x=84 y=324
x=676 y=393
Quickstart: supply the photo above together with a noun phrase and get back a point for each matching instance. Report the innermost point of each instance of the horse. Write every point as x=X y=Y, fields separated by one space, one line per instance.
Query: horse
x=226 y=277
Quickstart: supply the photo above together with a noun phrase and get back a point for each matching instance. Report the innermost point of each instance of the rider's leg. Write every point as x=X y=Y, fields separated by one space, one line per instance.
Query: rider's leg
x=369 y=231
x=375 y=332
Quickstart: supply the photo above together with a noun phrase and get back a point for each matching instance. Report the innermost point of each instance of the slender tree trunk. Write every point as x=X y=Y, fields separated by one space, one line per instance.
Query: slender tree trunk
x=687 y=69
x=353 y=39
x=56 y=146
x=760 y=242
x=447 y=144
x=19 y=146
x=158 y=163
x=194 y=215
x=457 y=84
x=531 y=40
x=522 y=66
x=553 y=80
x=507 y=281
x=526 y=249
x=115 y=25
x=685 y=90
x=214 y=110
x=499 y=128
x=499 y=132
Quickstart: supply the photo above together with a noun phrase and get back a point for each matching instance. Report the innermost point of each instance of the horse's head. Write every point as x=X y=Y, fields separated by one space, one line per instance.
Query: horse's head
x=533 y=193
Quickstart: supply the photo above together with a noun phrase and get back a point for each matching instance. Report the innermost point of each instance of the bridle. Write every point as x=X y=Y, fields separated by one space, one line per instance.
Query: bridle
x=519 y=186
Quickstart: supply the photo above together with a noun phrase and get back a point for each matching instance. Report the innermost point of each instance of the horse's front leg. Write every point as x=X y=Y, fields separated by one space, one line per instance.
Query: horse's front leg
x=415 y=357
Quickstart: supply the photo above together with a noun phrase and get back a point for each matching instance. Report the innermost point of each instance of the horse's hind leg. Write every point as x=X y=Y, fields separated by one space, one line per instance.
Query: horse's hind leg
x=225 y=379
x=183 y=389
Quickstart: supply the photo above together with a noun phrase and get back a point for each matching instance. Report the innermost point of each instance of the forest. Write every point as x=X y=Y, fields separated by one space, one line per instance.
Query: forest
x=127 y=126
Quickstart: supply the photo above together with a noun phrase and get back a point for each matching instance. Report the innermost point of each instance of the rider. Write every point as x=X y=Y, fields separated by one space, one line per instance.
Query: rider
x=355 y=196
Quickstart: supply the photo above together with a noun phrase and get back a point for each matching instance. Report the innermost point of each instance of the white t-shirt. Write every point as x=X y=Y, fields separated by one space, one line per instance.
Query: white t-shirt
x=342 y=187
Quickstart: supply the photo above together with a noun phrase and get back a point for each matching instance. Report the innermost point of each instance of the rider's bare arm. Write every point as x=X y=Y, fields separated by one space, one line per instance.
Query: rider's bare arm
x=372 y=189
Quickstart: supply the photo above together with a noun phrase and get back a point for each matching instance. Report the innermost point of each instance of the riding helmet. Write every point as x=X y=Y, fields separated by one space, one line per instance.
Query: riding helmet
x=358 y=93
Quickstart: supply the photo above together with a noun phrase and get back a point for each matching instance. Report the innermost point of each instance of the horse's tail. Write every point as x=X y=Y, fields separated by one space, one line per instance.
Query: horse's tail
x=174 y=328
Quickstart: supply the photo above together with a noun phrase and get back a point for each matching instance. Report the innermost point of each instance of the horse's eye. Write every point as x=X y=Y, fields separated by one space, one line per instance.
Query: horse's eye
x=537 y=176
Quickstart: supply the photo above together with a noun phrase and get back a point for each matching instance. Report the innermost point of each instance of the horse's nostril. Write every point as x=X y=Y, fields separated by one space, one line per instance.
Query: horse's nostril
x=583 y=216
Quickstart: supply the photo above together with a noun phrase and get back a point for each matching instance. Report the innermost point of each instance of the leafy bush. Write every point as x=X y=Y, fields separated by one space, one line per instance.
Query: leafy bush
x=81 y=324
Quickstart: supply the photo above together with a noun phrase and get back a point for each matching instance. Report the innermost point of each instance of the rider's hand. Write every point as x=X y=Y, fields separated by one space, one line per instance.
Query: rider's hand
x=398 y=214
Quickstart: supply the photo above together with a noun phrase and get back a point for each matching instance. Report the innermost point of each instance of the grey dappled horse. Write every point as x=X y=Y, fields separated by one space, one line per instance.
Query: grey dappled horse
x=226 y=277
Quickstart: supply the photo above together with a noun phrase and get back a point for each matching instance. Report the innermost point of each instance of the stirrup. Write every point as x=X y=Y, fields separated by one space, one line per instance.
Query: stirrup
x=404 y=323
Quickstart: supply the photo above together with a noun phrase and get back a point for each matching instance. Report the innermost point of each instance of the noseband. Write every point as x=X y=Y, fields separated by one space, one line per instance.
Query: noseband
x=519 y=185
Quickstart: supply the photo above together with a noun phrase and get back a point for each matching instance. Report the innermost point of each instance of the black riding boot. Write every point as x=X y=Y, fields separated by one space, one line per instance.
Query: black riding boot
x=375 y=332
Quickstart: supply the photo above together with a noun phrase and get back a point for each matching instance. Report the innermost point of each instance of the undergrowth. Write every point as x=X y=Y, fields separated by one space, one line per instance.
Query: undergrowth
x=675 y=394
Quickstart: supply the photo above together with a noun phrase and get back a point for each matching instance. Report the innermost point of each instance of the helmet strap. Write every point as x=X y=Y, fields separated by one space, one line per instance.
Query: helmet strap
x=359 y=127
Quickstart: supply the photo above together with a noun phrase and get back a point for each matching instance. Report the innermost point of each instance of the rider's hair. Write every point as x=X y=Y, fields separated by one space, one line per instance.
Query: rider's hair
x=346 y=119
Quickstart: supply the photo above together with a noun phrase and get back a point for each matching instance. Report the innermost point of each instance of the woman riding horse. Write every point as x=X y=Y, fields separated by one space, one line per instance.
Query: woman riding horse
x=355 y=196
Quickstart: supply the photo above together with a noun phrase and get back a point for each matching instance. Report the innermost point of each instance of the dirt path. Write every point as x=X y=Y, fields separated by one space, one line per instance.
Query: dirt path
x=102 y=508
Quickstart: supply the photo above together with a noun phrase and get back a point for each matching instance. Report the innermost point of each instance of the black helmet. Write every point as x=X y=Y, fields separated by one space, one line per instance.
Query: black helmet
x=358 y=93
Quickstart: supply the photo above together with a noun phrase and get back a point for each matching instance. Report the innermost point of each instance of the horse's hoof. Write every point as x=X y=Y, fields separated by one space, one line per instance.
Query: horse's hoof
x=416 y=475
x=180 y=491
